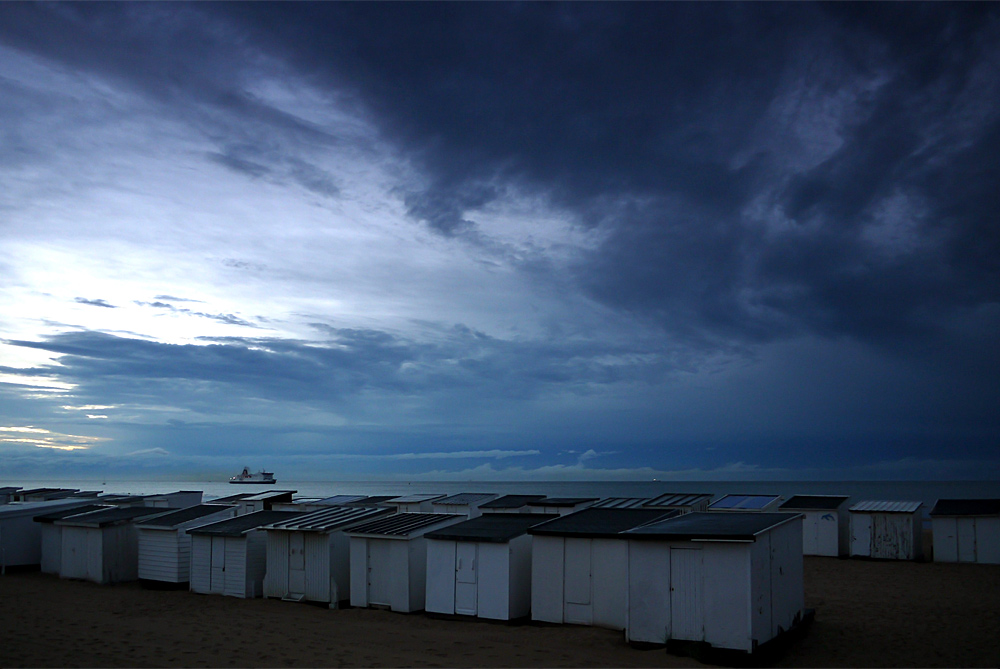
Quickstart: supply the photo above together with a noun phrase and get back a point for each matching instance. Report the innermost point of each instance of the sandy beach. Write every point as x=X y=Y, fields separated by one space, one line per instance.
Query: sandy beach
x=868 y=614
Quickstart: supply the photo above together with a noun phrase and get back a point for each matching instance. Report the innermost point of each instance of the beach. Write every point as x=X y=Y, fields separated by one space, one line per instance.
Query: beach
x=868 y=614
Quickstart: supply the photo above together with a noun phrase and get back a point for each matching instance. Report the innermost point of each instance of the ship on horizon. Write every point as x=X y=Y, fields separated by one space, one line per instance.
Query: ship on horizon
x=260 y=477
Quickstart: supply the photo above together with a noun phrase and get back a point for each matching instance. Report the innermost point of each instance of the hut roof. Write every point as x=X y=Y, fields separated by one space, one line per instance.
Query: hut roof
x=240 y=525
x=270 y=495
x=712 y=526
x=819 y=502
x=593 y=522
x=230 y=499
x=510 y=501
x=337 y=500
x=416 y=498
x=53 y=516
x=181 y=516
x=620 y=503
x=966 y=507
x=561 y=501
x=404 y=524
x=670 y=499
x=372 y=500
x=743 y=501
x=466 y=498
x=886 y=506
x=110 y=516
x=496 y=528
x=331 y=518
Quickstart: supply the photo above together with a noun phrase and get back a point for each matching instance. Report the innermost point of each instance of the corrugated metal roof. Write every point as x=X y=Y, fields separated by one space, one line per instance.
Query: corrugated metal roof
x=404 y=524
x=181 y=516
x=966 y=507
x=110 y=516
x=337 y=500
x=511 y=501
x=53 y=516
x=708 y=526
x=492 y=527
x=886 y=506
x=230 y=499
x=332 y=518
x=240 y=525
x=671 y=499
x=619 y=503
x=466 y=499
x=270 y=495
x=562 y=501
x=820 y=502
x=593 y=522
x=415 y=498
x=373 y=500
x=743 y=501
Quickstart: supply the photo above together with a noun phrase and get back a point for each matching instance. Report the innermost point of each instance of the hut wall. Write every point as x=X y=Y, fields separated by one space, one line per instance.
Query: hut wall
x=201 y=563
x=51 y=548
x=440 y=587
x=520 y=577
x=255 y=555
x=359 y=571
x=20 y=539
x=966 y=539
x=121 y=554
x=988 y=540
x=411 y=556
x=82 y=550
x=609 y=571
x=317 y=566
x=494 y=582
x=161 y=556
x=649 y=591
x=890 y=536
x=547 y=579
x=276 y=579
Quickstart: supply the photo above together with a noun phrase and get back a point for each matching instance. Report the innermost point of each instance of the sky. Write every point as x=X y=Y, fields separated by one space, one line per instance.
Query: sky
x=498 y=241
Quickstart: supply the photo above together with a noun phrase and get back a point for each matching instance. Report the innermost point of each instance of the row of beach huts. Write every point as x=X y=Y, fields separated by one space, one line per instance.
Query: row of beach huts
x=677 y=568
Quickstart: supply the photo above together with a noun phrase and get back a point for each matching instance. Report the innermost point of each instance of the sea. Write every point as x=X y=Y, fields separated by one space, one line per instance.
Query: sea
x=927 y=492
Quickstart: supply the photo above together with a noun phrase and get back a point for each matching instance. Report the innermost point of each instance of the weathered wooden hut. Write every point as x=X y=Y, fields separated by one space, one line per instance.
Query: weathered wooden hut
x=510 y=504
x=681 y=501
x=482 y=566
x=229 y=557
x=466 y=504
x=416 y=503
x=51 y=557
x=560 y=505
x=102 y=546
x=309 y=557
x=165 y=545
x=758 y=503
x=890 y=530
x=733 y=581
x=21 y=536
x=263 y=501
x=826 y=527
x=389 y=559
x=966 y=530
x=579 y=566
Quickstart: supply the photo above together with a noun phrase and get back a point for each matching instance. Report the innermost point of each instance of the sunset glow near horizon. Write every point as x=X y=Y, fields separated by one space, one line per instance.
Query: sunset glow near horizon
x=492 y=241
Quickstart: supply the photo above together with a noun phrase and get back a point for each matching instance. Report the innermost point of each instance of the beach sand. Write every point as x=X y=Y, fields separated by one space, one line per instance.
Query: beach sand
x=868 y=614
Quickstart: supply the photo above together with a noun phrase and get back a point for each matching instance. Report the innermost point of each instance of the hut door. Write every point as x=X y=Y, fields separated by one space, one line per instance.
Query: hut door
x=966 y=539
x=861 y=534
x=466 y=581
x=577 y=572
x=296 y=564
x=687 y=611
x=218 y=583
x=379 y=573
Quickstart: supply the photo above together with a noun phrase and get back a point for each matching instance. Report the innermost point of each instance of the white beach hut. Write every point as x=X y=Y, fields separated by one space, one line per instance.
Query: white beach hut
x=21 y=536
x=389 y=560
x=263 y=501
x=51 y=558
x=309 y=558
x=416 y=503
x=165 y=545
x=890 y=530
x=482 y=566
x=681 y=501
x=732 y=581
x=466 y=503
x=229 y=557
x=966 y=530
x=579 y=566
x=758 y=503
x=825 y=523
x=510 y=504
x=560 y=505
x=102 y=546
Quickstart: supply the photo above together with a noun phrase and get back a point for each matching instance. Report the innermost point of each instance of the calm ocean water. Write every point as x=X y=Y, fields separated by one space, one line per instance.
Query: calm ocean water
x=923 y=491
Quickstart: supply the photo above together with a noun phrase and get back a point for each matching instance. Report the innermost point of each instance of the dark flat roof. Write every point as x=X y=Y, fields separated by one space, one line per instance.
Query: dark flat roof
x=822 y=502
x=966 y=507
x=403 y=524
x=53 y=516
x=669 y=499
x=240 y=525
x=493 y=527
x=511 y=501
x=599 y=522
x=371 y=500
x=110 y=516
x=230 y=499
x=181 y=516
x=463 y=498
x=743 y=501
x=329 y=519
x=707 y=525
x=561 y=501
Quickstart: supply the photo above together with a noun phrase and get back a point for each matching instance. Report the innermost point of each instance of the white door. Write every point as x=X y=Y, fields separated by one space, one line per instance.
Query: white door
x=687 y=610
x=466 y=578
x=577 y=574
x=296 y=564
x=966 y=539
x=861 y=534
x=379 y=591
x=218 y=583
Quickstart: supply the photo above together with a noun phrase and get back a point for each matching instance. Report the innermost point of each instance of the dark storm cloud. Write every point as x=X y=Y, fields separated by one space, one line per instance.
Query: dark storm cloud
x=95 y=303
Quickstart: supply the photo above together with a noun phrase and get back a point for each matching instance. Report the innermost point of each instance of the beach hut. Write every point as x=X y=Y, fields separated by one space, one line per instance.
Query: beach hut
x=889 y=530
x=482 y=566
x=825 y=523
x=229 y=557
x=466 y=504
x=389 y=559
x=560 y=505
x=681 y=501
x=51 y=557
x=732 y=581
x=102 y=546
x=510 y=504
x=174 y=500
x=165 y=545
x=263 y=501
x=579 y=566
x=758 y=503
x=7 y=494
x=309 y=558
x=416 y=503
x=309 y=504
x=230 y=499
x=372 y=500
x=21 y=536
x=44 y=494
x=966 y=530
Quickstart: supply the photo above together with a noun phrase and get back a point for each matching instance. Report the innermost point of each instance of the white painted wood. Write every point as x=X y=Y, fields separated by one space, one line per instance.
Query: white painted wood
x=494 y=586
x=296 y=564
x=988 y=540
x=609 y=583
x=466 y=578
x=578 y=607
x=379 y=579
x=547 y=579
x=440 y=593
x=51 y=548
x=687 y=611
x=201 y=564
x=358 y=549
x=217 y=583
x=966 y=539
x=861 y=534
x=945 y=536
x=648 y=591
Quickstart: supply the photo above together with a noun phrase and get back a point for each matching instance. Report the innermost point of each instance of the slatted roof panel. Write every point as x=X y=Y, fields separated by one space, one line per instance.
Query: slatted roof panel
x=511 y=501
x=181 y=516
x=619 y=503
x=331 y=518
x=672 y=499
x=491 y=527
x=817 y=502
x=240 y=525
x=562 y=501
x=110 y=516
x=466 y=499
x=886 y=506
x=404 y=524
x=743 y=501
x=591 y=522
x=416 y=498
x=712 y=526
x=53 y=516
